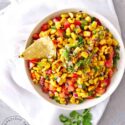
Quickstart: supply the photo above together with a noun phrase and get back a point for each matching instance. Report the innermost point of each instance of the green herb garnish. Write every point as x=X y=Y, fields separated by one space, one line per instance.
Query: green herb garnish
x=65 y=54
x=76 y=118
x=80 y=41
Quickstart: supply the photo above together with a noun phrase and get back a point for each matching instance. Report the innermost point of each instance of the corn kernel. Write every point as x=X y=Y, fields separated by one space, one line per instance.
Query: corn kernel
x=101 y=78
x=95 y=80
x=53 y=83
x=70 y=20
x=102 y=42
x=90 y=88
x=86 y=83
x=52 y=31
x=72 y=100
x=101 y=63
x=87 y=33
x=80 y=81
x=77 y=30
x=56 y=94
x=58 y=25
x=91 y=81
x=79 y=72
x=64 y=15
x=77 y=101
x=74 y=36
x=115 y=42
x=84 y=54
x=68 y=32
x=58 y=89
x=72 y=26
x=86 y=27
x=50 y=22
x=83 y=95
x=93 y=25
x=88 y=19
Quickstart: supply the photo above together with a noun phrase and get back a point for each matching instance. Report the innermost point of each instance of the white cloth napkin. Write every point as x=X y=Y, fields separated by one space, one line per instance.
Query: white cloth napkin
x=15 y=26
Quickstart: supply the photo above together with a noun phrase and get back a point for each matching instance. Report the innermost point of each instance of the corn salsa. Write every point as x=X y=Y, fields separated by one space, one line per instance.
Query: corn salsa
x=86 y=58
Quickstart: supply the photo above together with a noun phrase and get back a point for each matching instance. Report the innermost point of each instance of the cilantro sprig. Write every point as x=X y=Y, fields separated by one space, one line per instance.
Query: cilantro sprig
x=76 y=118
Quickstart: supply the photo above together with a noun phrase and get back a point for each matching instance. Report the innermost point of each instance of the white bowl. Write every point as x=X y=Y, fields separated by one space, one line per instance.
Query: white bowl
x=115 y=79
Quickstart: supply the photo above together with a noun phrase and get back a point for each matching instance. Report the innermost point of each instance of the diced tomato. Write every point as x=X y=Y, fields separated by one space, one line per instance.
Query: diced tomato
x=60 y=32
x=110 y=73
x=55 y=42
x=90 y=97
x=75 y=75
x=44 y=89
x=70 y=88
x=48 y=72
x=66 y=25
x=109 y=63
x=77 y=22
x=34 y=60
x=42 y=80
x=100 y=90
x=56 y=19
x=46 y=84
x=62 y=95
x=33 y=76
x=98 y=21
x=35 y=36
x=105 y=82
x=44 y=27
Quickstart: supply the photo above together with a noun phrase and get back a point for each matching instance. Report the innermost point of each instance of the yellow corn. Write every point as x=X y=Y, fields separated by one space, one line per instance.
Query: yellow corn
x=90 y=88
x=64 y=15
x=50 y=22
x=84 y=54
x=88 y=19
x=71 y=20
x=53 y=83
x=80 y=81
x=68 y=32
x=102 y=42
x=74 y=36
x=72 y=26
x=58 y=89
x=52 y=31
x=58 y=25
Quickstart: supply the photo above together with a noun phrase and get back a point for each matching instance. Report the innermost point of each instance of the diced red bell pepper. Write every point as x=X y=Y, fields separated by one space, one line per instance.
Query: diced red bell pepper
x=44 y=89
x=33 y=76
x=110 y=73
x=60 y=32
x=75 y=75
x=55 y=42
x=90 y=97
x=35 y=36
x=77 y=22
x=44 y=27
x=106 y=82
x=34 y=60
x=98 y=22
x=66 y=25
x=109 y=63
x=57 y=19
x=100 y=90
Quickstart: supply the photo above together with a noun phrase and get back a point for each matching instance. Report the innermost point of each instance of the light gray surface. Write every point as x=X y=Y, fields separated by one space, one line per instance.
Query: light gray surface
x=115 y=111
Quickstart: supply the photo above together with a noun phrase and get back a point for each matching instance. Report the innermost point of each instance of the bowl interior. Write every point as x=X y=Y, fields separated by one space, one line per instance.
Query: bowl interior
x=115 y=79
